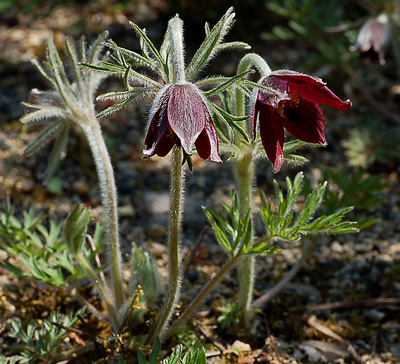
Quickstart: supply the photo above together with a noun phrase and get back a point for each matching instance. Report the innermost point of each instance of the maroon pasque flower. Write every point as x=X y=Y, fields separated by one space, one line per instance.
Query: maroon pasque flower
x=180 y=116
x=294 y=107
x=373 y=38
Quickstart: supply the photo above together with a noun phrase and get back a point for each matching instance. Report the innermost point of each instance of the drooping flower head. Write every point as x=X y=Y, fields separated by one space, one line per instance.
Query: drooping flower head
x=295 y=107
x=181 y=113
x=180 y=116
x=373 y=38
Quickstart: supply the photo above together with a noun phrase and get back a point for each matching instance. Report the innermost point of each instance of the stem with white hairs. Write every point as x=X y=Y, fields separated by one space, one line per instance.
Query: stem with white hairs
x=108 y=189
x=176 y=198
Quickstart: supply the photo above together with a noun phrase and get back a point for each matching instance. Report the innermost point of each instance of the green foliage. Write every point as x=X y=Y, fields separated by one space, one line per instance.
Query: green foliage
x=229 y=314
x=357 y=190
x=231 y=234
x=42 y=251
x=284 y=220
x=196 y=355
x=75 y=228
x=155 y=352
x=54 y=185
x=287 y=220
x=325 y=27
x=372 y=143
x=144 y=273
x=34 y=344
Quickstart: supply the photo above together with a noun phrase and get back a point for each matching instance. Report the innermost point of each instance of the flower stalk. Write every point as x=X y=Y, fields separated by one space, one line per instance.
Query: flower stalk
x=244 y=174
x=176 y=193
x=108 y=189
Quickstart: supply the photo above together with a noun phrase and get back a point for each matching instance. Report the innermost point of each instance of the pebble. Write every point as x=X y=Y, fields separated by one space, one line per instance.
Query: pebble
x=336 y=247
x=80 y=187
x=241 y=346
x=126 y=211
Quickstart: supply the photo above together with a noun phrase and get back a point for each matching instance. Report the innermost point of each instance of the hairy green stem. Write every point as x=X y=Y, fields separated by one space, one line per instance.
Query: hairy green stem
x=202 y=294
x=176 y=28
x=244 y=173
x=176 y=198
x=307 y=249
x=248 y=61
x=105 y=174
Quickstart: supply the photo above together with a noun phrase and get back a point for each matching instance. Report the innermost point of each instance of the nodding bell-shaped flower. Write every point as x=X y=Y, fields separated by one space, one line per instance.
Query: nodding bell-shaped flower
x=180 y=116
x=294 y=107
x=373 y=38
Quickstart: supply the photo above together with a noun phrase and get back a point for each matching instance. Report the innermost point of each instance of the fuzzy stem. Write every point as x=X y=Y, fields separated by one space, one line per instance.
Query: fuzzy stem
x=307 y=249
x=176 y=196
x=244 y=173
x=203 y=293
x=248 y=61
x=176 y=26
x=105 y=175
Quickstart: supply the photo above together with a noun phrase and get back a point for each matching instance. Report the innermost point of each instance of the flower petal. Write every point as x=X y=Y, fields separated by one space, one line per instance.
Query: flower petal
x=187 y=114
x=311 y=88
x=305 y=121
x=207 y=143
x=319 y=95
x=272 y=135
x=280 y=85
x=159 y=139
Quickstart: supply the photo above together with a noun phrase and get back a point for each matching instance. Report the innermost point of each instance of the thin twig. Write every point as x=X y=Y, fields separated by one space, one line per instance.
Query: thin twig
x=316 y=324
x=369 y=302
x=307 y=249
x=71 y=354
x=78 y=332
x=369 y=97
x=98 y=263
x=84 y=302
x=211 y=339
x=354 y=355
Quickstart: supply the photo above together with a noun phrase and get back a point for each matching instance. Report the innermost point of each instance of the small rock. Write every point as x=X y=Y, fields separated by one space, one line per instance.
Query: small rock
x=158 y=250
x=240 y=346
x=375 y=315
x=80 y=187
x=313 y=354
x=336 y=247
x=126 y=211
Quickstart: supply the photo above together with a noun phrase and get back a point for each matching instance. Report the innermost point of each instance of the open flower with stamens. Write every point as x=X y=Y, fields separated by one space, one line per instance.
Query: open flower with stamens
x=295 y=107
x=180 y=116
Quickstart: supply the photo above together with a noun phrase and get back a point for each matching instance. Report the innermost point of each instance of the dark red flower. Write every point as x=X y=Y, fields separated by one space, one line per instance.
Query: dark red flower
x=373 y=39
x=180 y=116
x=293 y=107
